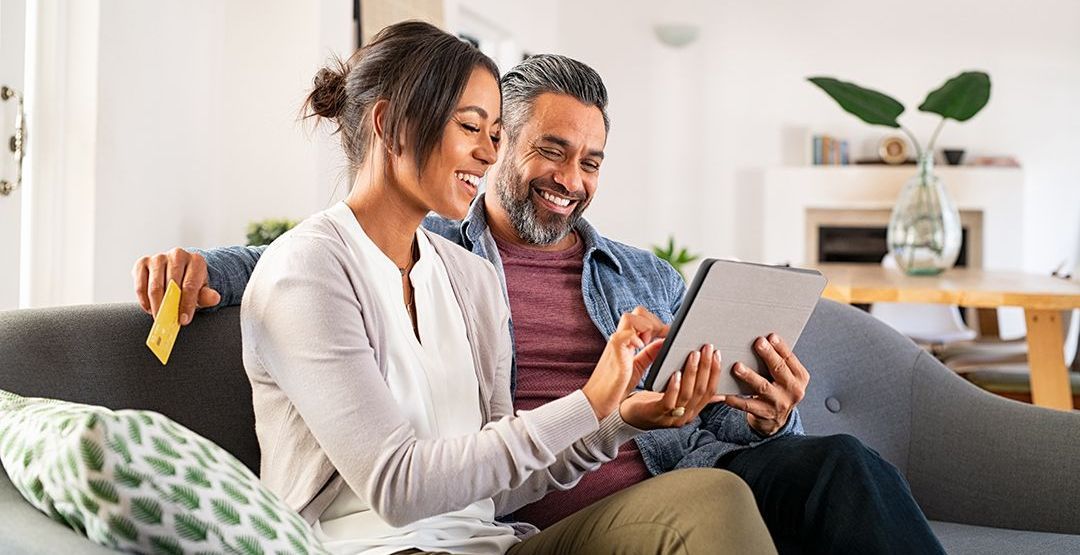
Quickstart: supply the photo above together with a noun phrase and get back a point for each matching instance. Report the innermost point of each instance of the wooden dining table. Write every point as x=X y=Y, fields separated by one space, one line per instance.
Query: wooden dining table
x=1043 y=298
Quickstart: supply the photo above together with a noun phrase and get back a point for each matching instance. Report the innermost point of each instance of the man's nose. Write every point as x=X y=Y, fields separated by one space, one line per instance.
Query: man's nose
x=570 y=177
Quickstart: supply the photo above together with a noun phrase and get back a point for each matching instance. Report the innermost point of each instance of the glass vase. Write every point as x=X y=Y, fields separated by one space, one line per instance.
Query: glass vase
x=924 y=230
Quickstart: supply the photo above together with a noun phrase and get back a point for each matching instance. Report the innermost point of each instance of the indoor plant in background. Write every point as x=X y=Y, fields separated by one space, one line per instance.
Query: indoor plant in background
x=924 y=230
x=265 y=231
x=676 y=257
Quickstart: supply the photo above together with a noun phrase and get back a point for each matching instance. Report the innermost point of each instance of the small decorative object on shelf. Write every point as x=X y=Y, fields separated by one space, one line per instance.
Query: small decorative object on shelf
x=995 y=161
x=893 y=149
x=677 y=258
x=954 y=156
x=924 y=230
x=264 y=232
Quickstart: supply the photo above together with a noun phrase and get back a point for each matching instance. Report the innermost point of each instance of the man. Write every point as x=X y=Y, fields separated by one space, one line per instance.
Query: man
x=567 y=286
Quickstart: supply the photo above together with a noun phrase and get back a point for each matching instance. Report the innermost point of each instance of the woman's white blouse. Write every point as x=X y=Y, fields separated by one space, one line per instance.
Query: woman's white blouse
x=434 y=381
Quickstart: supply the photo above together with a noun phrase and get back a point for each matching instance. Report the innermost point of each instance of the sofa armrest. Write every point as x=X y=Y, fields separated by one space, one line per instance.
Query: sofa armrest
x=977 y=458
x=24 y=530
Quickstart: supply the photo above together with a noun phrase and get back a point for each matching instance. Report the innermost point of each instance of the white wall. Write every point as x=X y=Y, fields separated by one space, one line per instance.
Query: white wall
x=693 y=129
x=196 y=100
x=197 y=132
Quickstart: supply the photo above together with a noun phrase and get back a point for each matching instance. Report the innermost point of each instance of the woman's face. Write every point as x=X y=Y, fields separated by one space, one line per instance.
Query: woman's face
x=468 y=147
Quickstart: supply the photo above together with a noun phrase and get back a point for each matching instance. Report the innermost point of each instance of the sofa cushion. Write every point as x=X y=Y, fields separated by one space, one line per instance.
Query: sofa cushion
x=135 y=480
x=964 y=538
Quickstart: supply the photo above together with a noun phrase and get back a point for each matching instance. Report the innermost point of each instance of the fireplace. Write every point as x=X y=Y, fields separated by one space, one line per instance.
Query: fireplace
x=858 y=236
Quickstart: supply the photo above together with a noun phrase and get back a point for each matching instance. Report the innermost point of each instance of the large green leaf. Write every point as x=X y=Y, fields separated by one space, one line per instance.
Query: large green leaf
x=871 y=106
x=960 y=98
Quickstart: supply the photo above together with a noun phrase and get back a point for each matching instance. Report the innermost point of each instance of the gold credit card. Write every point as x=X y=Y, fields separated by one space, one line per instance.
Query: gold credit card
x=166 y=324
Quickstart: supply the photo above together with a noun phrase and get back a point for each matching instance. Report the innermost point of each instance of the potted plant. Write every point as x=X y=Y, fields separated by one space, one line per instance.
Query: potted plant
x=924 y=230
x=264 y=232
x=676 y=257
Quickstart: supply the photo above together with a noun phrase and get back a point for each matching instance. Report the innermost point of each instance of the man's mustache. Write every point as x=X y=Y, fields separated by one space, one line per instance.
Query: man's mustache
x=550 y=185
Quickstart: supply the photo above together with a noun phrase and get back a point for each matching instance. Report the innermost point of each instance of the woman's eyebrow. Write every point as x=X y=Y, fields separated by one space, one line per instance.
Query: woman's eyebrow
x=478 y=110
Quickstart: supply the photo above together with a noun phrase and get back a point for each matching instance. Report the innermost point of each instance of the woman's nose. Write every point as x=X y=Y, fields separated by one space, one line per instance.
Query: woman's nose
x=487 y=152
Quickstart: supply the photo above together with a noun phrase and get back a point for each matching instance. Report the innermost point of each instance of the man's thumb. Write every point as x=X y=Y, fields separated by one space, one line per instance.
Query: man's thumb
x=208 y=297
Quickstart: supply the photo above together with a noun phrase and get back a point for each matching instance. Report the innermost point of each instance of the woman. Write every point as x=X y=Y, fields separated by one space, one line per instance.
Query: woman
x=379 y=353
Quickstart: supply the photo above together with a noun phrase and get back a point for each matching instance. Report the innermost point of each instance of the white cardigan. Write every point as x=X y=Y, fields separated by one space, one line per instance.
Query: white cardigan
x=314 y=339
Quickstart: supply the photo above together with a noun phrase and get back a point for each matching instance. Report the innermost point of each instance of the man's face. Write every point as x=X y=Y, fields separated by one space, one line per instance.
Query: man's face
x=551 y=168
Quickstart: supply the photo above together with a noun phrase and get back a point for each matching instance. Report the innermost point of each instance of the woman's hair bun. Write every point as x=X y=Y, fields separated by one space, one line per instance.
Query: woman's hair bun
x=327 y=98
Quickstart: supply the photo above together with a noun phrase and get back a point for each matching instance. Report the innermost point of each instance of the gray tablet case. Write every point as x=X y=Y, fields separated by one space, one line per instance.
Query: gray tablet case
x=730 y=304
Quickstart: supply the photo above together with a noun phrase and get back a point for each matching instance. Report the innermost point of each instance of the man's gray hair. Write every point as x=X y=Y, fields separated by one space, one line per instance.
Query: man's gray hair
x=548 y=73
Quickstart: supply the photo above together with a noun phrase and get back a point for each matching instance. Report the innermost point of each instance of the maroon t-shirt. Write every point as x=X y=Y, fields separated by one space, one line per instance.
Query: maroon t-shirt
x=557 y=347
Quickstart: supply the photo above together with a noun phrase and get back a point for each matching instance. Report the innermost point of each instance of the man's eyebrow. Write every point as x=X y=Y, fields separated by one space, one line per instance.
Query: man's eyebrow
x=559 y=141
x=478 y=110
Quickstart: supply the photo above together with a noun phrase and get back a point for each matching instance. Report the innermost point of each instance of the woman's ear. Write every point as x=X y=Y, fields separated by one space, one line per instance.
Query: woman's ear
x=378 y=116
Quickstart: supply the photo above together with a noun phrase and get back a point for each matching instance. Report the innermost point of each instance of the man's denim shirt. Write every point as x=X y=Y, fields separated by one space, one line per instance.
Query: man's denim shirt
x=615 y=279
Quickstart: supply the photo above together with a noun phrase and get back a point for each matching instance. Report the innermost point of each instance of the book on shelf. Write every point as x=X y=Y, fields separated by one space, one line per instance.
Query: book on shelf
x=830 y=151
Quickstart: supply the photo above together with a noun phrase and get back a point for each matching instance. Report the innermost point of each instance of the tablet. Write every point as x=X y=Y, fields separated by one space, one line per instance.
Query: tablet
x=730 y=304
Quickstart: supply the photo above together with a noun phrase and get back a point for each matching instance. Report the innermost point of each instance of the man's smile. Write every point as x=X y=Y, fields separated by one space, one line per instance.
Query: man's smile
x=555 y=203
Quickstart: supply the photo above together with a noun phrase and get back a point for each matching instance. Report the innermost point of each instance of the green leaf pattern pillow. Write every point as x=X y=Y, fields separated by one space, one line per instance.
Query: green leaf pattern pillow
x=137 y=481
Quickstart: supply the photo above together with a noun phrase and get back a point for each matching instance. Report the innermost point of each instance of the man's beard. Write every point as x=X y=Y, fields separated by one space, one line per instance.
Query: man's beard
x=515 y=196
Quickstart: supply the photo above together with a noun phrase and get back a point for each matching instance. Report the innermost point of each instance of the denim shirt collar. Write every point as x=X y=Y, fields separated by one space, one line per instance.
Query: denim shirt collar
x=475 y=224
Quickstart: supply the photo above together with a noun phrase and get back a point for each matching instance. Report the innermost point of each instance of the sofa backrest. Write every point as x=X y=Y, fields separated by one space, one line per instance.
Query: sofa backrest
x=860 y=380
x=860 y=372
x=96 y=354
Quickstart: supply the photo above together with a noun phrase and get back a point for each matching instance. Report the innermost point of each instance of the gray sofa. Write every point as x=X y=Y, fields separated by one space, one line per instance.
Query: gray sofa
x=994 y=476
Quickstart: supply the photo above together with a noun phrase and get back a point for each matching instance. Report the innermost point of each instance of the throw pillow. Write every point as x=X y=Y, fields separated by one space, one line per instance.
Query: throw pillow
x=137 y=481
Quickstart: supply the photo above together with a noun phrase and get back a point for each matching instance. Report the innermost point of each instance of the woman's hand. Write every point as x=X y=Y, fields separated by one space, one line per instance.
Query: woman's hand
x=691 y=389
x=621 y=365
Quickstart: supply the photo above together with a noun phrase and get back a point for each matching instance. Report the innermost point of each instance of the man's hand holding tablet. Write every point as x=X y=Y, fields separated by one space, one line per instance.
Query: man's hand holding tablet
x=768 y=410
